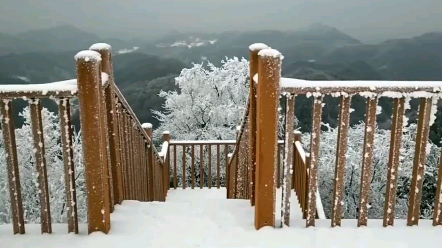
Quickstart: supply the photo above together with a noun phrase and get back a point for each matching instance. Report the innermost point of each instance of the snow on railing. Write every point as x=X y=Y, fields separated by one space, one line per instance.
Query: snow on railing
x=66 y=88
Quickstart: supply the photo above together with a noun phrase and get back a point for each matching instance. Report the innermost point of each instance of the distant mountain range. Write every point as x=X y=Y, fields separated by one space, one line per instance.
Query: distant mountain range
x=319 y=52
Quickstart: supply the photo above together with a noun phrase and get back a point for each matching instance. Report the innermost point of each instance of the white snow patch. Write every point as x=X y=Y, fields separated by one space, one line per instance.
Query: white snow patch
x=204 y=218
x=268 y=52
x=88 y=55
x=258 y=46
x=146 y=125
x=23 y=78
x=123 y=51
x=101 y=47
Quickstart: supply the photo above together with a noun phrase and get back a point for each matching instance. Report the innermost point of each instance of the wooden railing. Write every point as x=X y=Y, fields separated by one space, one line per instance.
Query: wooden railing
x=204 y=160
x=120 y=159
x=269 y=78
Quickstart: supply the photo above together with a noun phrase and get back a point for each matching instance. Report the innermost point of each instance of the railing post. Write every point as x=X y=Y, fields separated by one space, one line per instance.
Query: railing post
x=150 y=170
x=269 y=74
x=105 y=51
x=166 y=168
x=94 y=139
x=254 y=50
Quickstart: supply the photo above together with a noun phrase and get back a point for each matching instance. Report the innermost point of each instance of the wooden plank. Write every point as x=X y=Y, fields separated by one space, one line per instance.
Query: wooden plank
x=69 y=166
x=218 y=166
x=437 y=215
x=269 y=71
x=8 y=130
x=40 y=161
x=313 y=165
x=193 y=166
x=226 y=167
x=210 y=166
x=278 y=166
x=252 y=119
x=367 y=160
x=393 y=165
x=94 y=141
x=420 y=158
x=174 y=168
x=341 y=152
x=184 y=166
x=287 y=165
x=201 y=166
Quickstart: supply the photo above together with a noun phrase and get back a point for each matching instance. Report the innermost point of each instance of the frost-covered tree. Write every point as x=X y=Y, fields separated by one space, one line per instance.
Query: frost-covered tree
x=209 y=105
x=379 y=172
x=210 y=102
x=55 y=170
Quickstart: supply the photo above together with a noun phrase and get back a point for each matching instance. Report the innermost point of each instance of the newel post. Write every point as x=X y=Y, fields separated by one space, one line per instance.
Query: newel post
x=150 y=168
x=269 y=75
x=94 y=139
x=254 y=50
x=114 y=163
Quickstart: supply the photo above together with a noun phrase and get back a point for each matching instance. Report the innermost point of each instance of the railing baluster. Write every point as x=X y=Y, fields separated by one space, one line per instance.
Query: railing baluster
x=313 y=165
x=40 y=160
x=8 y=130
x=201 y=166
x=393 y=165
x=210 y=166
x=184 y=166
x=367 y=160
x=420 y=158
x=174 y=168
x=287 y=165
x=341 y=152
x=218 y=165
x=69 y=166
x=126 y=155
x=437 y=215
x=226 y=167
x=150 y=162
x=193 y=166
x=278 y=167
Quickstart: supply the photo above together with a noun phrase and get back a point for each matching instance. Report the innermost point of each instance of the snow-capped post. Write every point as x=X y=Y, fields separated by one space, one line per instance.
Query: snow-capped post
x=254 y=50
x=94 y=139
x=288 y=160
x=166 y=168
x=114 y=156
x=8 y=128
x=269 y=75
x=420 y=159
x=150 y=168
x=40 y=161
x=393 y=163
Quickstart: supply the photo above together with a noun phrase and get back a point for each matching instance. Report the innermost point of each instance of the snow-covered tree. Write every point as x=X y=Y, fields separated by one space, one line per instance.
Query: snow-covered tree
x=209 y=105
x=379 y=173
x=55 y=170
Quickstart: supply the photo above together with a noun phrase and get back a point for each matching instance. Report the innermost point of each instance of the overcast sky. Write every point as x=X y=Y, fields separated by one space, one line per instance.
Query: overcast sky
x=363 y=19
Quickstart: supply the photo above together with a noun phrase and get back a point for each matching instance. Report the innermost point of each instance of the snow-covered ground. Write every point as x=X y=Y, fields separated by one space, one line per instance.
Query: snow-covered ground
x=204 y=218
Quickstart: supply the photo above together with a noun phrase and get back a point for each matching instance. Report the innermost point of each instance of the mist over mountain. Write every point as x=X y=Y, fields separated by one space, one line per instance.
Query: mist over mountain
x=143 y=68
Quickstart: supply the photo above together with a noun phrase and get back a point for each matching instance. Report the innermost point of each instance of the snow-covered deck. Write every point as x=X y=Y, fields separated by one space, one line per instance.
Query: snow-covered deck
x=204 y=218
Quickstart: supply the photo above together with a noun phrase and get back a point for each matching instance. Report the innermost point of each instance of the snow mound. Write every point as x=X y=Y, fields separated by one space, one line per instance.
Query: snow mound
x=268 y=52
x=101 y=47
x=88 y=55
x=258 y=46
x=146 y=125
